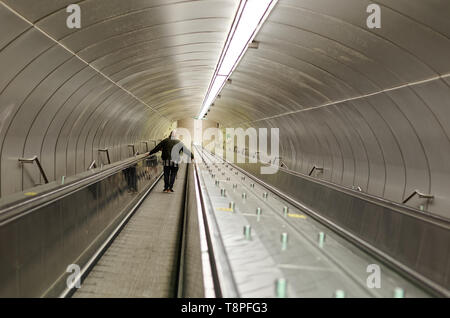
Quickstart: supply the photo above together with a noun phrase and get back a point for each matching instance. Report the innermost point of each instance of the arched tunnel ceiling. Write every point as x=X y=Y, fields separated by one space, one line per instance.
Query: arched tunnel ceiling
x=133 y=68
x=313 y=53
x=164 y=52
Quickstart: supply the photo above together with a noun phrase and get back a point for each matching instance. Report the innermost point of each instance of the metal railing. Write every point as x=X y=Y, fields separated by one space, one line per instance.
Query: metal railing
x=146 y=145
x=35 y=159
x=132 y=149
x=420 y=195
x=314 y=169
x=93 y=165
x=106 y=150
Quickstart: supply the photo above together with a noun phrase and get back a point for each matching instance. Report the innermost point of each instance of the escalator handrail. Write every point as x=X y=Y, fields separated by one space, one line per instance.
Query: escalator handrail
x=15 y=209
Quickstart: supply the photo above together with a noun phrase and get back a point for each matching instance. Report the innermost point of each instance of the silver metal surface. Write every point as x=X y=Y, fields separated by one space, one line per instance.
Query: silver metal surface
x=52 y=226
x=414 y=241
x=312 y=268
x=371 y=108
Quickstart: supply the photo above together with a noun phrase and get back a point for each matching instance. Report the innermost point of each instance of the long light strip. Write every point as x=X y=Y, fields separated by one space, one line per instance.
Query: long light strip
x=250 y=17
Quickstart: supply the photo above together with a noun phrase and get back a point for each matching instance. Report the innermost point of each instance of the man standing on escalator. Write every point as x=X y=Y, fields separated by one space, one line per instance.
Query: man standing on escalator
x=171 y=149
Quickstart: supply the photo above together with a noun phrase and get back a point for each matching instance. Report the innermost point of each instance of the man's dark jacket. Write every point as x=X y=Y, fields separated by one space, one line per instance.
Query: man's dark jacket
x=167 y=145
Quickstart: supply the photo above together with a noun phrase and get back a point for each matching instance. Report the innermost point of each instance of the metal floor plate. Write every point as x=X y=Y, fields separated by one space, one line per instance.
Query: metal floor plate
x=310 y=269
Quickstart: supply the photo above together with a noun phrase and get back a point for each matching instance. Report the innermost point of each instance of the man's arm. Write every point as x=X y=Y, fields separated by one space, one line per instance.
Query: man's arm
x=156 y=149
x=186 y=151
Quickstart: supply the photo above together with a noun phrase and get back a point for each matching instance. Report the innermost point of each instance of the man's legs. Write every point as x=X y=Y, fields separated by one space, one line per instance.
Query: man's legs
x=133 y=178
x=130 y=175
x=166 y=177
x=173 y=175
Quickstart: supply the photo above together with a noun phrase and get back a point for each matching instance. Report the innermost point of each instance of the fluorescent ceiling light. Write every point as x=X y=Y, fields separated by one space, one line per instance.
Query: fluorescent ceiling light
x=215 y=89
x=250 y=16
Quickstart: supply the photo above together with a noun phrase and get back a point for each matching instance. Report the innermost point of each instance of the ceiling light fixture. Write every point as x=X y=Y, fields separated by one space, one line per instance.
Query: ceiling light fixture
x=250 y=16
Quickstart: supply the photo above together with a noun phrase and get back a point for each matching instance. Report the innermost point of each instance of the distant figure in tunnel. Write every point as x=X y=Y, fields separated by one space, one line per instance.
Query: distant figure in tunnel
x=171 y=149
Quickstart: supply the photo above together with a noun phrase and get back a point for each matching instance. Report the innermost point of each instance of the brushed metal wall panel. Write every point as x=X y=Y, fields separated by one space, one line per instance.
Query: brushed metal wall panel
x=41 y=239
x=427 y=13
x=72 y=111
x=85 y=154
x=20 y=53
x=97 y=124
x=42 y=132
x=110 y=17
x=15 y=26
x=395 y=21
x=371 y=178
x=78 y=124
x=25 y=91
x=8 y=260
x=401 y=133
x=436 y=96
x=18 y=133
x=204 y=31
x=40 y=113
x=34 y=10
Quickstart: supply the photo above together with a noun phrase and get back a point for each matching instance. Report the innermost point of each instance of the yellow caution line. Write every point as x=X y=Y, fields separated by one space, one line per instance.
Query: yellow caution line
x=30 y=193
x=297 y=216
x=225 y=209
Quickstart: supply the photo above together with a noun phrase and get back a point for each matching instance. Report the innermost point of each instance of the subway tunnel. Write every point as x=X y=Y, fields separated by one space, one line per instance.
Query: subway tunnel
x=359 y=115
